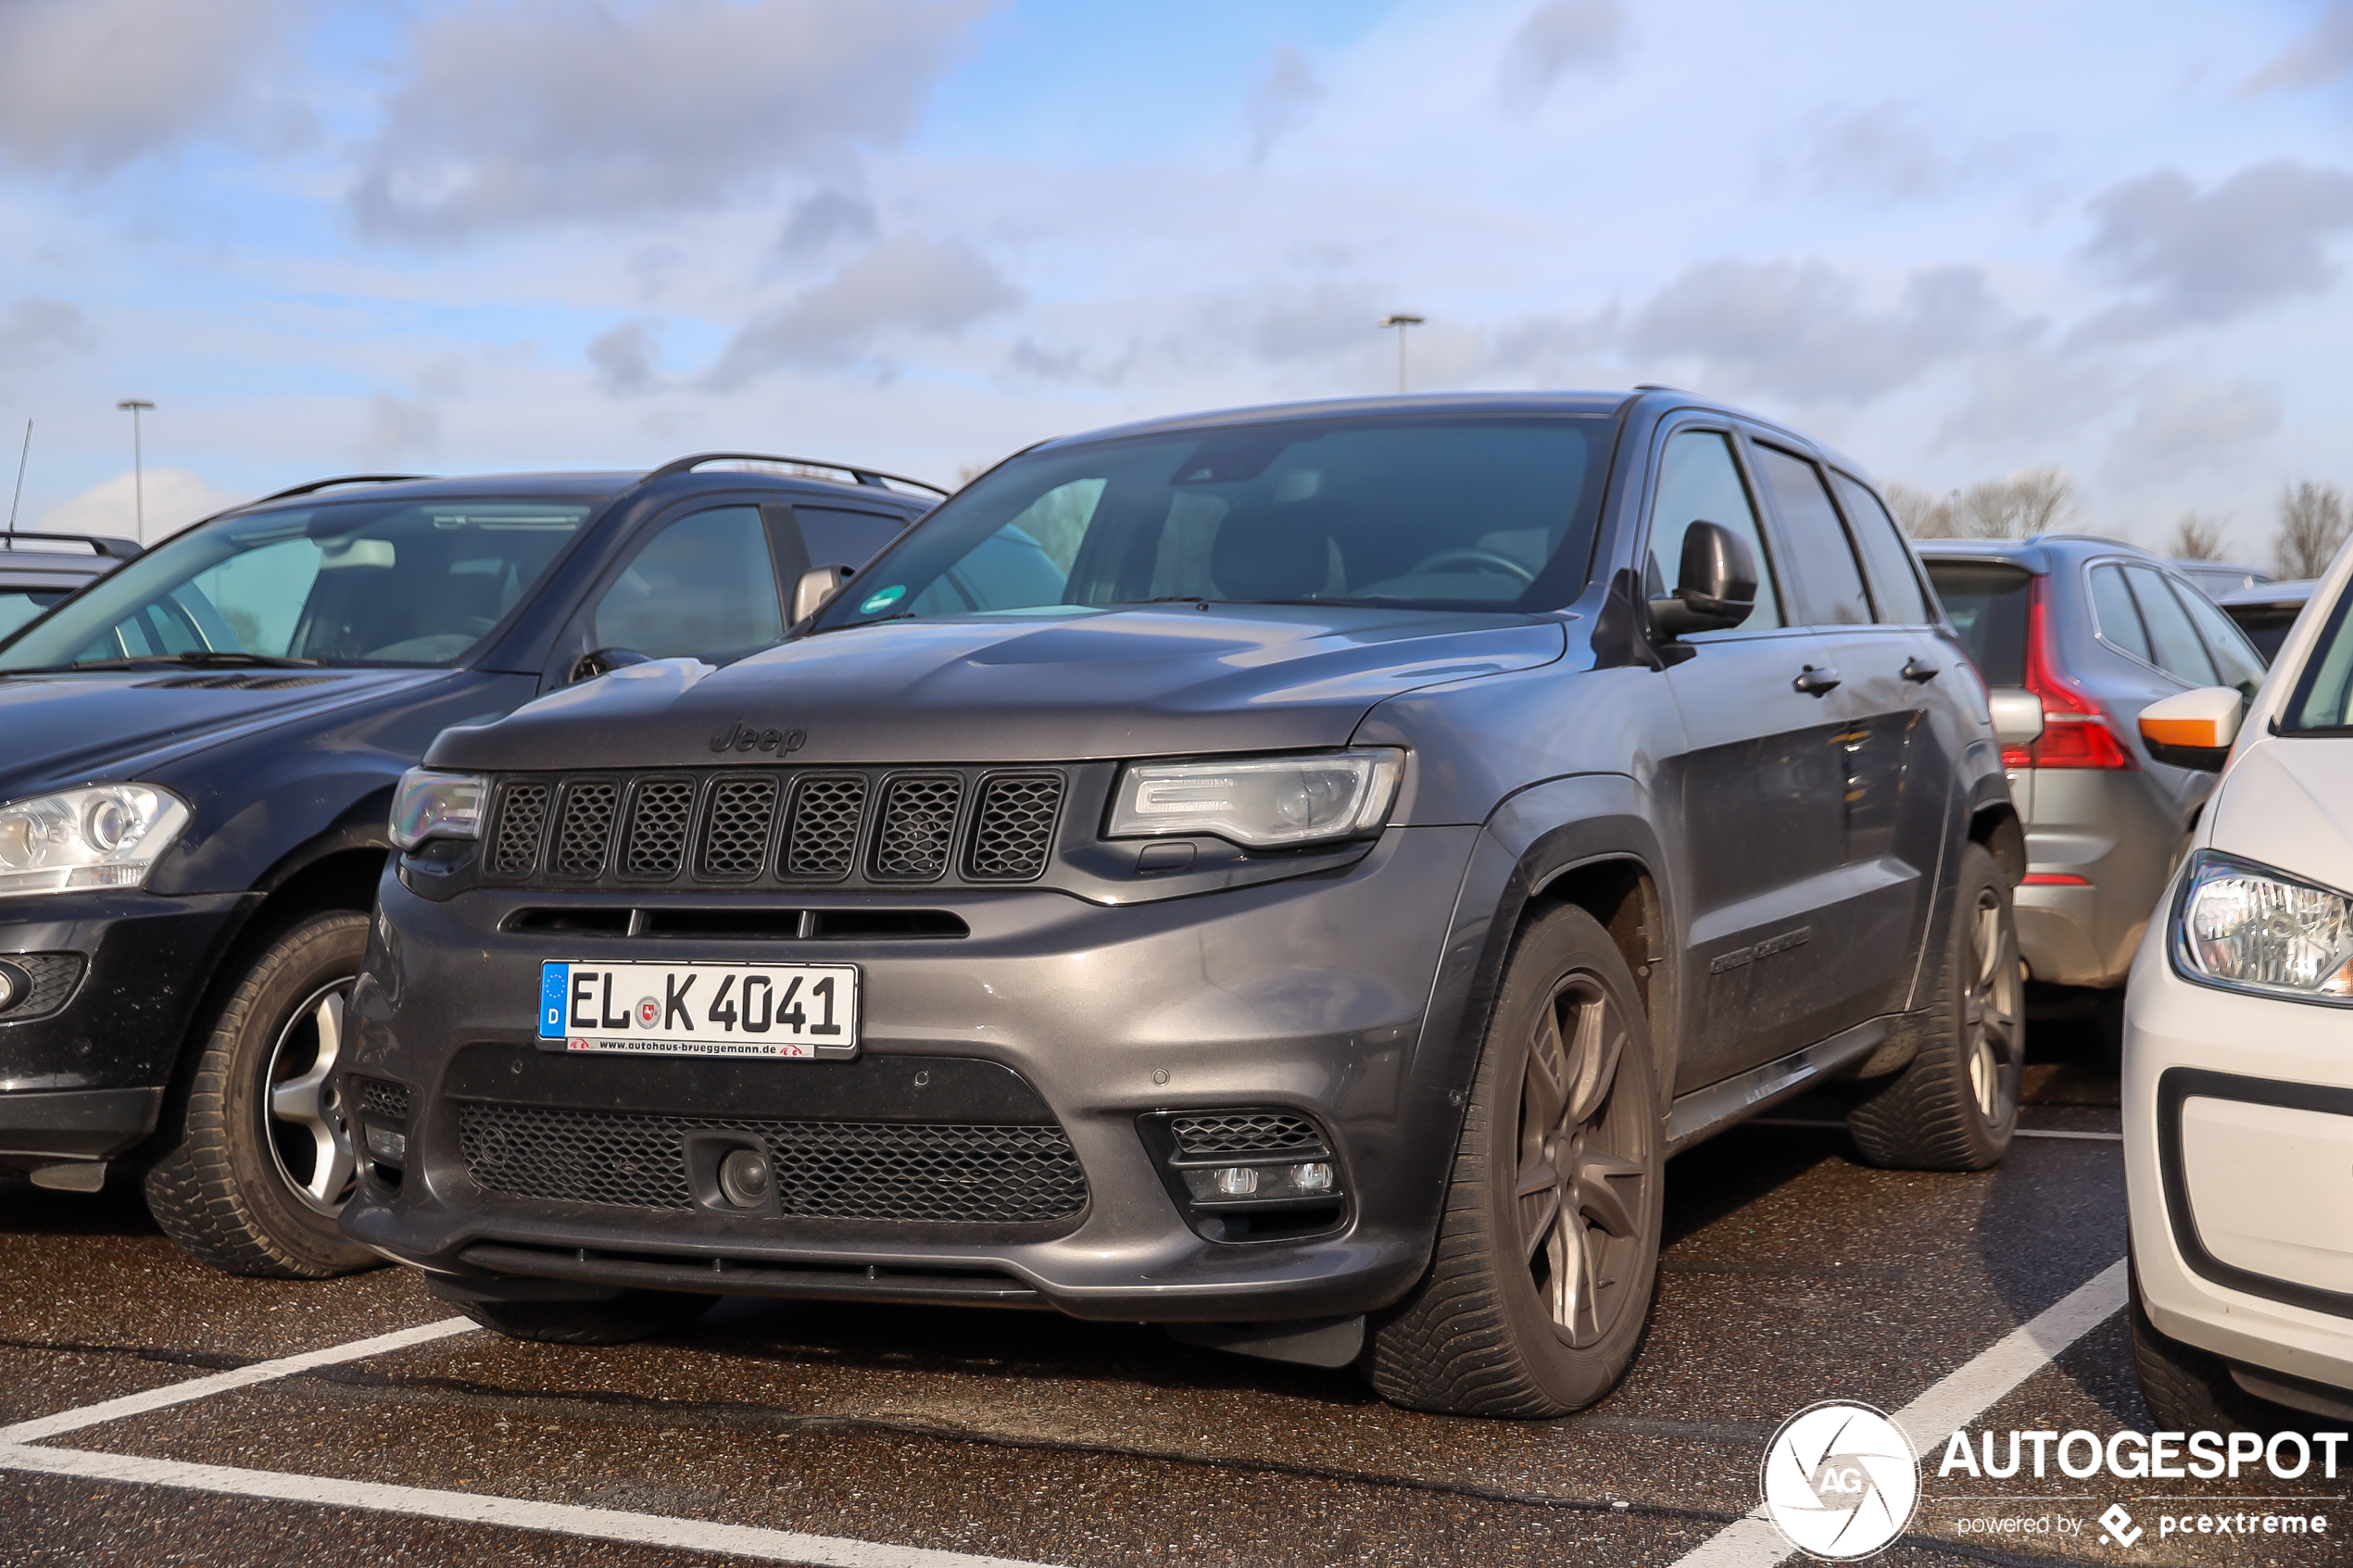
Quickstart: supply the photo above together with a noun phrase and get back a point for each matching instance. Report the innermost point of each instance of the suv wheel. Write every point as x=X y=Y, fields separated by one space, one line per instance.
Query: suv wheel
x=1548 y=1251
x=1955 y=1107
x=261 y=1163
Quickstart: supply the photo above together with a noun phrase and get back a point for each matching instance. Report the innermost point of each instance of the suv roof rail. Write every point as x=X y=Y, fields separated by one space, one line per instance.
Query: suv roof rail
x=874 y=477
x=318 y=484
x=100 y=543
x=2106 y=539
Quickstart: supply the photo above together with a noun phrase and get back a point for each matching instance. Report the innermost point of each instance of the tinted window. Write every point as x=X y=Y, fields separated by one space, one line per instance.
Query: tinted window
x=419 y=582
x=1895 y=581
x=1462 y=513
x=2118 y=618
x=2238 y=664
x=20 y=605
x=1699 y=482
x=1828 y=582
x=2324 y=692
x=837 y=536
x=1987 y=603
x=2179 y=653
x=704 y=587
x=2266 y=626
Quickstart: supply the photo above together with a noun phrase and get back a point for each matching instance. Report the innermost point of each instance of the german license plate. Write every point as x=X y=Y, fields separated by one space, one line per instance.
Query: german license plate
x=793 y=1012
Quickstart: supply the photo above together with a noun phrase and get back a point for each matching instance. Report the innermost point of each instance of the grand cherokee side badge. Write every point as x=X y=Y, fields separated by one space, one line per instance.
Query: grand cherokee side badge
x=741 y=737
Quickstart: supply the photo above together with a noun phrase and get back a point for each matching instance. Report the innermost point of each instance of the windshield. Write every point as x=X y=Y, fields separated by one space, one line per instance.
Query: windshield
x=1462 y=513
x=417 y=582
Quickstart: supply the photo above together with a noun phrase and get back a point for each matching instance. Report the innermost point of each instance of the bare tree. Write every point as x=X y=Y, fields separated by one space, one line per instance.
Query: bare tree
x=2313 y=526
x=2196 y=537
x=2031 y=501
x=1919 y=514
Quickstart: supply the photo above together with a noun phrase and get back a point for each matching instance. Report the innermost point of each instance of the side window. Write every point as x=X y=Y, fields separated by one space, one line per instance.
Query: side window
x=2118 y=623
x=2234 y=657
x=837 y=536
x=1699 y=482
x=1895 y=581
x=704 y=587
x=2179 y=653
x=1829 y=585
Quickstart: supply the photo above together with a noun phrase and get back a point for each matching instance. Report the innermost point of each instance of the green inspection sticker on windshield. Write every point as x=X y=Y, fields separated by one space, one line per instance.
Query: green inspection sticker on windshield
x=883 y=599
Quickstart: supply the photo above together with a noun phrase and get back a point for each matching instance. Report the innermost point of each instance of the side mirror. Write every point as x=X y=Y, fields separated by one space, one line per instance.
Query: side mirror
x=1715 y=590
x=604 y=661
x=2017 y=717
x=817 y=585
x=2194 y=729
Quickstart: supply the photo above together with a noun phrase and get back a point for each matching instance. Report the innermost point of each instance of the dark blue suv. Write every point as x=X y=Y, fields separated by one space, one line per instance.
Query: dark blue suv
x=197 y=755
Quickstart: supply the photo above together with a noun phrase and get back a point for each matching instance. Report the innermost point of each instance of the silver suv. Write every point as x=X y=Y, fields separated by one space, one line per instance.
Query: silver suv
x=2090 y=631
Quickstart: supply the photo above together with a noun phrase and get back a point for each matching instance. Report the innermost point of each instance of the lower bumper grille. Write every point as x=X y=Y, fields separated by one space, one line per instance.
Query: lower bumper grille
x=823 y=1170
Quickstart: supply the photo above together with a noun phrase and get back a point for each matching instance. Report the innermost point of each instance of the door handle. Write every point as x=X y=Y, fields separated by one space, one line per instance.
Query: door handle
x=1919 y=668
x=1816 y=679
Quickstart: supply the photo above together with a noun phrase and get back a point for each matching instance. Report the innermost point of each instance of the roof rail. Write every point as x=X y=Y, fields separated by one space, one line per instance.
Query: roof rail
x=100 y=543
x=874 y=477
x=318 y=484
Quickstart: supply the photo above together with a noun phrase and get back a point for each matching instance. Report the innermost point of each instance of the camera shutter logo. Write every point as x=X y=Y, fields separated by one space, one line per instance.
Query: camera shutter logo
x=1840 y=1480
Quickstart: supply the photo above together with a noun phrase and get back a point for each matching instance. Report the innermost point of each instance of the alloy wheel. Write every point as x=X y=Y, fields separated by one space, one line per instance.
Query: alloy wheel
x=309 y=1135
x=1990 y=1010
x=1584 y=1161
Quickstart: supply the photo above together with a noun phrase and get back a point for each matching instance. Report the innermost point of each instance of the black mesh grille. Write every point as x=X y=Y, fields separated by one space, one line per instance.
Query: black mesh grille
x=918 y=823
x=825 y=815
x=1243 y=1132
x=659 y=815
x=385 y=1102
x=586 y=824
x=522 y=811
x=735 y=841
x=52 y=977
x=1015 y=827
x=825 y=1170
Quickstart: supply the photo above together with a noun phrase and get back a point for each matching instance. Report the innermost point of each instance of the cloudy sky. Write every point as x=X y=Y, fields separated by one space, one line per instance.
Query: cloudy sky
x=411 y=234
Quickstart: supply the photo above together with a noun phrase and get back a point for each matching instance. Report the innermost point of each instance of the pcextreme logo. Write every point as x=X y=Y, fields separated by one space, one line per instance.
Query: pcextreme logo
x=1840 y=1480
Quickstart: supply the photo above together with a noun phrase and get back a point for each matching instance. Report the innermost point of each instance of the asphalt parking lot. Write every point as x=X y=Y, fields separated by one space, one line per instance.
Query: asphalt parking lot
x=884 y=1438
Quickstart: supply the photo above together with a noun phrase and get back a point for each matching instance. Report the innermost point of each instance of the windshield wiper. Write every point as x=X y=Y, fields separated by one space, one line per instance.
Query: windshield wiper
x=201 y=658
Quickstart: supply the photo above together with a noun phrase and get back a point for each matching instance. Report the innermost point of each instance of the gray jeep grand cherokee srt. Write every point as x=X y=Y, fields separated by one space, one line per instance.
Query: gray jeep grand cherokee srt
x=1293 y=875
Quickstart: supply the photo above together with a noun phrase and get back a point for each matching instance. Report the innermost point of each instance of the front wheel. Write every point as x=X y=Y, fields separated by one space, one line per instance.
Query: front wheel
x=1548 y=1251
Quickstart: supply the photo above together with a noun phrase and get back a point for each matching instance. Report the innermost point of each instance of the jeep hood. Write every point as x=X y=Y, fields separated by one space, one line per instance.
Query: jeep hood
x=1098 y=684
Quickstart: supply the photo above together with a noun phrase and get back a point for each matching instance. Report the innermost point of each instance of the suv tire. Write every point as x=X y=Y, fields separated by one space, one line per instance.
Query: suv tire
x=633 y=1314
x=260 y=1161
x=1547 y=1254
x=1955 y=1107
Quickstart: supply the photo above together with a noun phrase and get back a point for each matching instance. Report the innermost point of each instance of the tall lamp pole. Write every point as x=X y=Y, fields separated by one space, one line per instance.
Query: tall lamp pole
x=1400 y=322
x=138 y=406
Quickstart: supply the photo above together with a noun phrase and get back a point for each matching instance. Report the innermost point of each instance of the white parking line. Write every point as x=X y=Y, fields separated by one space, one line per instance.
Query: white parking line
x=1948 y=1405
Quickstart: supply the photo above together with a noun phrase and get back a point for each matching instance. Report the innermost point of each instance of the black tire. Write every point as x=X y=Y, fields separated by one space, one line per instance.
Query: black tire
x=230 y=1187
x=2189 y=1389
x=1537 y=1295
x=633 y=1314
x=1954 y=1108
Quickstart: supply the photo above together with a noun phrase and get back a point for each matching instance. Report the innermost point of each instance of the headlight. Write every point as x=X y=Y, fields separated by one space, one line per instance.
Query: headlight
x=430 y=804
x=2255 y=928
x=107 y=835
x=1262 y=802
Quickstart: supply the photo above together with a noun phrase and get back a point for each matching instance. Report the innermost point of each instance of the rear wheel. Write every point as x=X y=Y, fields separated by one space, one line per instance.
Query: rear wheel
x=633 y=1314
x=260 y=1162
x=1542 y=1282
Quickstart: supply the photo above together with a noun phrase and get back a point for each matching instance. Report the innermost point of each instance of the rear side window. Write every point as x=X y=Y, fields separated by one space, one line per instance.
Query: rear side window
x=2113 y=610
x=2235 y=659
x=1987 y=603
x=837 y=536
x=2179 y=653
x=1828 y=582
x=1896 y=582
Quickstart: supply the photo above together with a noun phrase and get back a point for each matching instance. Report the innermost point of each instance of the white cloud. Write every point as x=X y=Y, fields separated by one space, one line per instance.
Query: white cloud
x=34 y=330
x=2180 y=425
x=174 y=498
x=1280 y=100
x=2314 y=60
x=2202 y=257
x=908 y=283
x=1559 y=36
x=625 y=359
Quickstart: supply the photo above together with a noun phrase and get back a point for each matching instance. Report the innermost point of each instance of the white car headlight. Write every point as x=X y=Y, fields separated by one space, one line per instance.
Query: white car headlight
x=2250 y=927
x=106 y=836
x=1261 y=802
x=431 y=805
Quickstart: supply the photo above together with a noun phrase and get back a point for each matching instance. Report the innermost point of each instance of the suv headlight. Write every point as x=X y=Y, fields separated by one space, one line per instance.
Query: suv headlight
x=106 y=836
x=1261 y=802
x=2251 y=928
x=431 y=805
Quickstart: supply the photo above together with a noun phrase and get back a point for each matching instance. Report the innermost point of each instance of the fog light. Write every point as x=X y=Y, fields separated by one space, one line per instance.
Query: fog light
x=1237 y=1181
x=1316 y=1177
x=744 y=1178
x=387 y=1147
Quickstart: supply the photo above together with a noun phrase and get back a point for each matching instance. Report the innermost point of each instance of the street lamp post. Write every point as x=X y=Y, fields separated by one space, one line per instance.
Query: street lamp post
x=1400 y=321
x=138 y=406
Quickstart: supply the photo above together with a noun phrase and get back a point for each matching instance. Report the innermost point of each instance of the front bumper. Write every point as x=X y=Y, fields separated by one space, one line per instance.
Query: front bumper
x=1312 y=996
x=84 y=1061
x=2238 y=1138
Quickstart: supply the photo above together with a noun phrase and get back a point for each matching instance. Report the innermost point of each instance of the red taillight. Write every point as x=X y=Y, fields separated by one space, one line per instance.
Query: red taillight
x=2075 y=733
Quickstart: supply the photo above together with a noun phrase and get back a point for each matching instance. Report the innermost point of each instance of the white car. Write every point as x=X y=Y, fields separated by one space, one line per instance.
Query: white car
x=2239 y=1053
